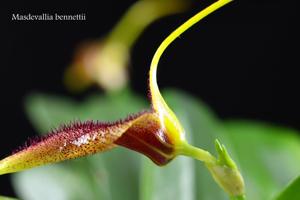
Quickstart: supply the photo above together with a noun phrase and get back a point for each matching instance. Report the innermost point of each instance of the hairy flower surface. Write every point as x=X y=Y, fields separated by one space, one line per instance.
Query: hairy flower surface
x=142 y=133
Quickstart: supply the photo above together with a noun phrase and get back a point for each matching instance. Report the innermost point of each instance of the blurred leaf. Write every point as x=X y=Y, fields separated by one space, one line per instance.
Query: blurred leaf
x=201 y=128
x=6 y=198
x=46 y=112
x=291 y=192
x=94 y=177
x=49 y=111
x=51 y=182
x=184 y=178
x=171 y=182
x=269 y=156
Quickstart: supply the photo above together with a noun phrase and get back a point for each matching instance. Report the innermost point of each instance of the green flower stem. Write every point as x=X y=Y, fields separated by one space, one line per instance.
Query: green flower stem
x=196 y=153
x=139 y=16
x=242 y=197
x=223 y=169
x=107 y=66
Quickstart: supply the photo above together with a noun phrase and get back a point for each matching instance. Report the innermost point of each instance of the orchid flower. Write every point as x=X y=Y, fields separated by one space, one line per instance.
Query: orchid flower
x=156 y=133
x=104 y=61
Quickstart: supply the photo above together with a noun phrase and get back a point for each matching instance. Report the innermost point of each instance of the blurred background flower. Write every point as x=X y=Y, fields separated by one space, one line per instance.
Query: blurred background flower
x=105 y=62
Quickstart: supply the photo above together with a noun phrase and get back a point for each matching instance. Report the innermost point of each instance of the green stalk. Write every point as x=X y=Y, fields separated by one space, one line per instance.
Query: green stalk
x=139 y=16
x=242 y=197
x=223 y=169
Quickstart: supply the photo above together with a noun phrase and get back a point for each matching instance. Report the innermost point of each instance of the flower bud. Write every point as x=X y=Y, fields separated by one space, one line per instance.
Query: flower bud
x=226 y=173
x=148 y=136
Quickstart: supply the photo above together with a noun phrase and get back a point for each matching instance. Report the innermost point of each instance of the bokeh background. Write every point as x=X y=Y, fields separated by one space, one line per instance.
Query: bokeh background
x=242 y=60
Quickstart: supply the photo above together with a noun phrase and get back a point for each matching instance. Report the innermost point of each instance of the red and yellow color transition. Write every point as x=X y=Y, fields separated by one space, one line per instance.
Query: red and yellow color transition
x=142 y=133
x=156 y=133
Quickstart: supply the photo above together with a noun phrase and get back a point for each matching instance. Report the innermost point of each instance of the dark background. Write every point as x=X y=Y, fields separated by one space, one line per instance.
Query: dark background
x=241 y=60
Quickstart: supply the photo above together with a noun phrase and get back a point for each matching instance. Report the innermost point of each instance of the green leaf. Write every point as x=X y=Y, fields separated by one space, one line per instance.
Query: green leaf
x=268 y=155
x=6 y=198
x=48 y=111
x=93 y=177
x=291 y=192
x=52 y=182
x=184 y=178
x=173 y=181
x=201 y=128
